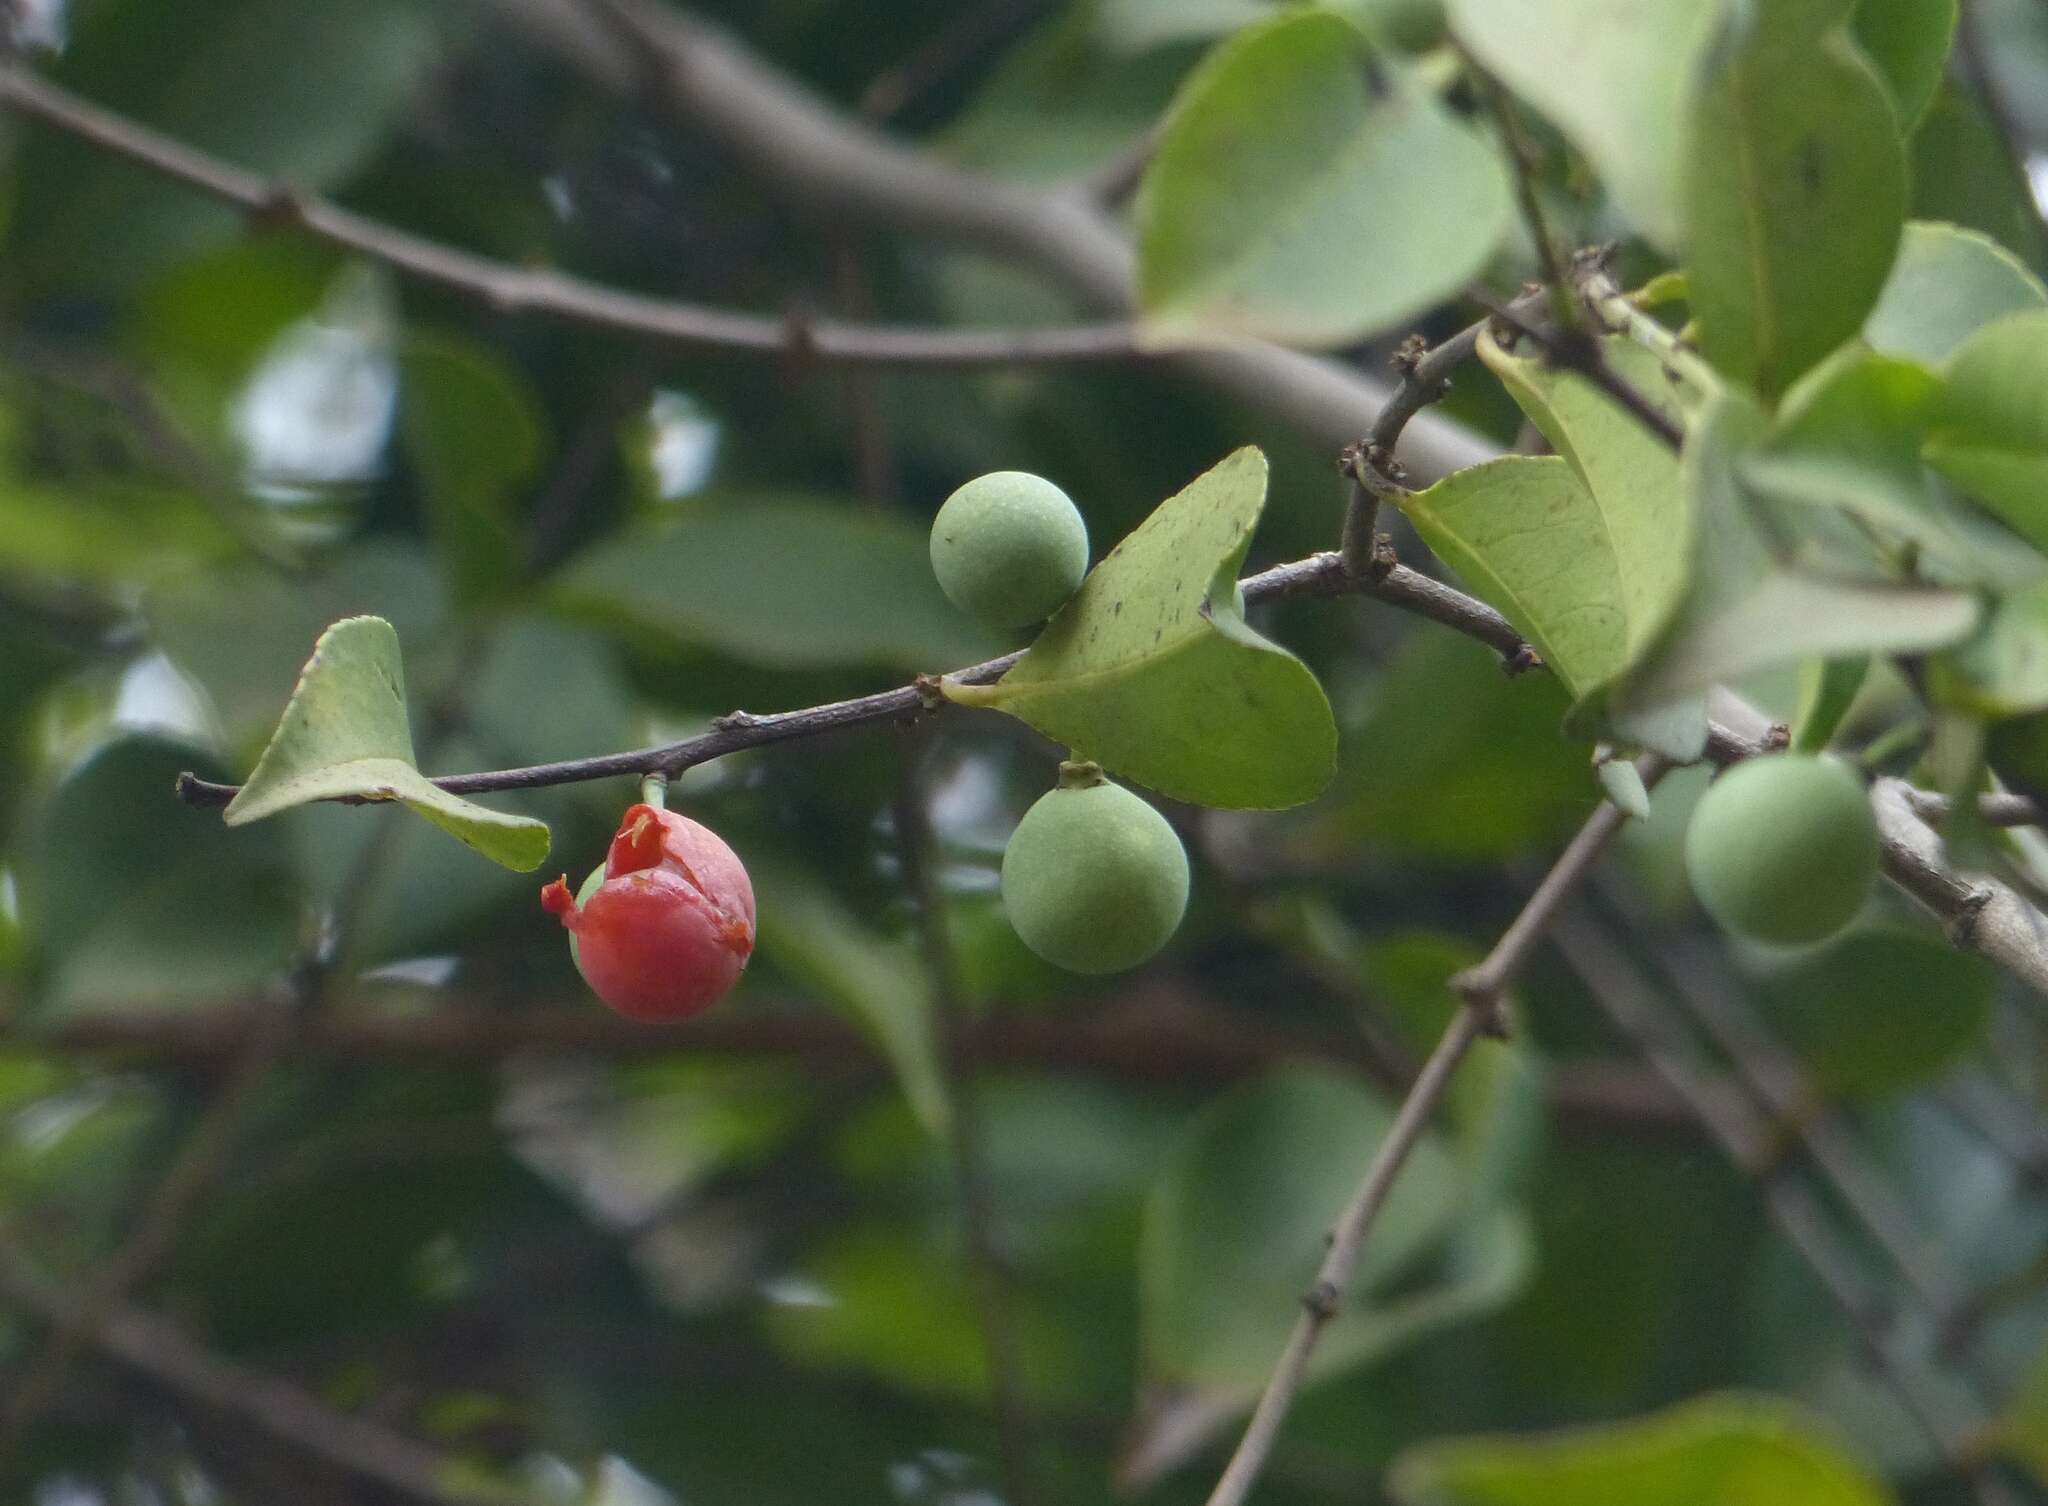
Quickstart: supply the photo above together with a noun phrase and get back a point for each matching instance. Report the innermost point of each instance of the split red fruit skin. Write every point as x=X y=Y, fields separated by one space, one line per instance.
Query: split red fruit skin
x=669 y=930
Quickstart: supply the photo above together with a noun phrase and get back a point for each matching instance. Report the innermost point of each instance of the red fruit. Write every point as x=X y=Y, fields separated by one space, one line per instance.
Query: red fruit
x=669 y=930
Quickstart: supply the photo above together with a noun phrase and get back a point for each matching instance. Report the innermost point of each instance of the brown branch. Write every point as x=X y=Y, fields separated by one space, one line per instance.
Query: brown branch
x=287 y=1412
x=1578 y=351
x=513 y=289
x=1481 y=988
x=1320 y=575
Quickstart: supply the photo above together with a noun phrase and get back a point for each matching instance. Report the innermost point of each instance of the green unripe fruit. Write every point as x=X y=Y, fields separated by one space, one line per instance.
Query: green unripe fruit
x=1783 y=848
x=1009 y=548
x=1094 y=879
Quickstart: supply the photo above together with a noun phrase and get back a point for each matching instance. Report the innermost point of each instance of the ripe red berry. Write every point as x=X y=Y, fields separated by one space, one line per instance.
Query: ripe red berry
x=668 y=930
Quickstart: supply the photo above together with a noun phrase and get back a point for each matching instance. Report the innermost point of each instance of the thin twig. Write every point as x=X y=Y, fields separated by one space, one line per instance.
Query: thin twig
x=1582 y=354
x=960 y=1060
x=513 y=289
x=1482 y=989
x=1320 y=575
x=294 y=1416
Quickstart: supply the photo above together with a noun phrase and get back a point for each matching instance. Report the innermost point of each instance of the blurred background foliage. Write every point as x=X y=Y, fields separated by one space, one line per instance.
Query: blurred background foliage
x=727 y=1264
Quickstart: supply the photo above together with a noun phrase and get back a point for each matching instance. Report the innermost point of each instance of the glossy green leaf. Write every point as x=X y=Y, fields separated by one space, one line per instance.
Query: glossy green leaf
x=779 y=580
x=1152 y=671
x=1907 y=41
x=344 y=733
x=1234 y=1228
x=1881 y=1011
x=881 y=985
x=1630 y=475
x=1759 y=597
x=1613 y=75
x=475 y=437
x=1721 y=1450
x=1947 y=284
x=138 y=902
x=1294 y=137
x=1794 y=190
x=1526 y=537
x=1989 y=433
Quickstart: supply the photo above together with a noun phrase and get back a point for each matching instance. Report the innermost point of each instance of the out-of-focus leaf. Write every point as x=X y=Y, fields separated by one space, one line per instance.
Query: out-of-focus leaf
x=1135 y=26
x=1152 y=672
x=1963 y=173
x=881 y=985
x=1454 y=762
x=139 y=902
x=778 y=580
x=2021 y=1429
x=1613 y=75
x=476 y=437
x=2001 y=670
x=1827 y=689
x=1907 y=41
x=1989 y=432
x=1881 y=1011
x=1948 y=283
x=107 y=533
x=304 y=93
x=1754 y=600
x=1793 y=191
x=1293 y=137
x=1234 y=1228
x=344 y=733
x=1728 y=1448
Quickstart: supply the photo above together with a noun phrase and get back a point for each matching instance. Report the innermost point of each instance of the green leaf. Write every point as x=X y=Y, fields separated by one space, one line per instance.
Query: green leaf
x=881 y=985
x=2020 y=1431
x=1827 y=689
x=1963 y=173
x=1152 y=672
x=344 y=734
x=1794 y=190
x=1234 y=1228
x=1613 y=75
x=1759 y=596
x=1907 y=41
x=2002 y=669
x=1526 y=537
x=1452 y=763
x=107 y=532
x=138 y=902
x=1721 y=1450
x=1629 y=473
x=1881 y=1011
x=475 y=436
x=1265 y=210
x=1947 y=284
x=778 y=580
x=1990 y=428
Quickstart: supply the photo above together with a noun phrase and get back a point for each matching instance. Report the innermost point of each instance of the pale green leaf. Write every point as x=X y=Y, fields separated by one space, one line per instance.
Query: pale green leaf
x=1269 y=207
x=1827 y=689
x=1624 y=787
x=1613 y=75
x=1152 y=672
x=2001 y=670
x=1990 y=429
x=780 y=580
x=1721 y=1450
x=1794 y=191
x=344 y=735
x=1759 y=597
x=1946 y=285
x=1526 y=537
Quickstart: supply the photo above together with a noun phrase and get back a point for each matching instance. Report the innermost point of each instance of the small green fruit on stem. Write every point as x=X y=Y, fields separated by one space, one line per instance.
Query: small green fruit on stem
x=1009 y=548
x=1094 y=879
x=1783 y=848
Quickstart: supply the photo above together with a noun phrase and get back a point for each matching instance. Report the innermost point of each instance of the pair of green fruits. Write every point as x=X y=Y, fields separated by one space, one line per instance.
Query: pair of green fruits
x=1094 y=879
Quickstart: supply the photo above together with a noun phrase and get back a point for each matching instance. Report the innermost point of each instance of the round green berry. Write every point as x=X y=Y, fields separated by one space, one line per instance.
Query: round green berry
x=1009 y=548
x=1094 y=879
x=1783 y=848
